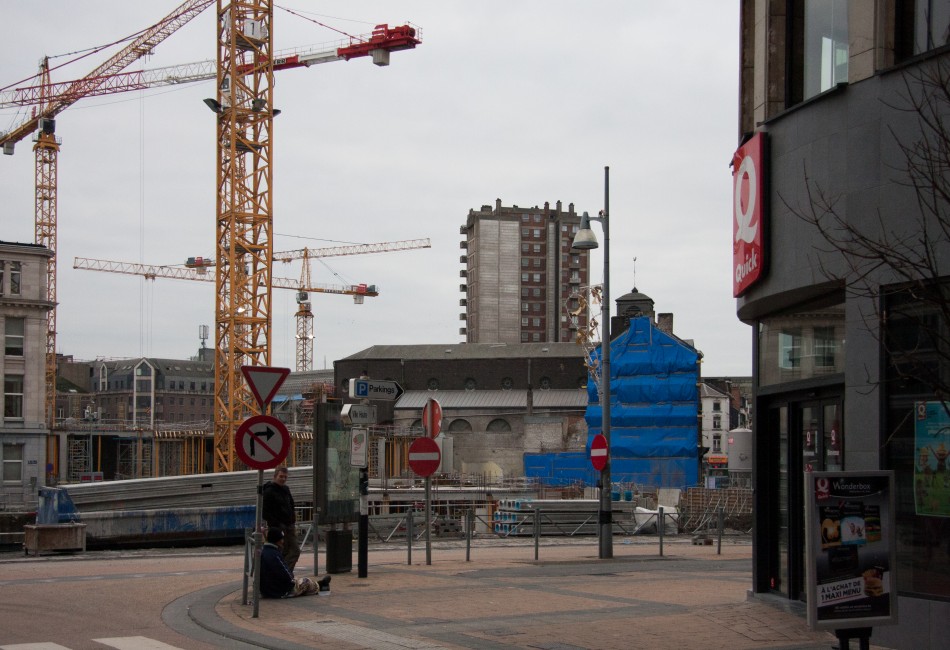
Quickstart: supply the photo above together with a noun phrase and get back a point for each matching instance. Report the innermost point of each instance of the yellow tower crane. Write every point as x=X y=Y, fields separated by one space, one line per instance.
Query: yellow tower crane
x=49 y=102
x=196 y=268
x=304 y=315
x=244 y=71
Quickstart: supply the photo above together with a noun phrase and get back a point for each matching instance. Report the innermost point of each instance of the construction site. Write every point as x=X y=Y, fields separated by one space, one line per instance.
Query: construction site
x=126 y=420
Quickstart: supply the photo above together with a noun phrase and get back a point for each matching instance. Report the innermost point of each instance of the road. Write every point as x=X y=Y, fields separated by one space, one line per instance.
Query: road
x=76 y=601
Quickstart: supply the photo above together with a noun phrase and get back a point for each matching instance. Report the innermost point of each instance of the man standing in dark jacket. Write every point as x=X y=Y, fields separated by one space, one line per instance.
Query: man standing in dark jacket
x=279 y=513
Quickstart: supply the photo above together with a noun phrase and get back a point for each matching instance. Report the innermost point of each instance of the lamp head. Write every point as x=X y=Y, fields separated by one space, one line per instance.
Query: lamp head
x=213 y=104
x=585 y=239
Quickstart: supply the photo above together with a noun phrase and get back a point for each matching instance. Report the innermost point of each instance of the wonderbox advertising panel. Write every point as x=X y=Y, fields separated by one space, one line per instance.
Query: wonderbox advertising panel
x=748 y=214
x=850 y=549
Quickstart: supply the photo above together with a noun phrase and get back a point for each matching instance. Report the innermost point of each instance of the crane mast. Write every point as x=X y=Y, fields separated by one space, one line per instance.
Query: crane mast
x=245 y=219
x=46 y=153
x=244 y=72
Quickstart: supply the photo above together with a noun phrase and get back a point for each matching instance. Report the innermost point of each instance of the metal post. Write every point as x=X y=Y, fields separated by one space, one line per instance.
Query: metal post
x=428 y=520
x=258 y=542
x=659 y=528
x=469 y=521
x=362 y=551
x=537 y=533
x=410 y=533
x=606 y=507
x=248 y=564
x=721 y=523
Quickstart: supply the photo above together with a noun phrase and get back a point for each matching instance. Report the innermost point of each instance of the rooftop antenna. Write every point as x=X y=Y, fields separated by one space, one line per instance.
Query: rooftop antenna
x=634 y=272
x=203 y=334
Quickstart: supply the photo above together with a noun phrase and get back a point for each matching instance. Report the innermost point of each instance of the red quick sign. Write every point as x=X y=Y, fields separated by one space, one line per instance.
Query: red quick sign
x=748 y=179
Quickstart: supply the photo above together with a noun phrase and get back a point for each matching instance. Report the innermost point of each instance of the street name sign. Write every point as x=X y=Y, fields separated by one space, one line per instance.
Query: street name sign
x=375 y=389
x=424 y=456
x=262 y=442
x=358 y=414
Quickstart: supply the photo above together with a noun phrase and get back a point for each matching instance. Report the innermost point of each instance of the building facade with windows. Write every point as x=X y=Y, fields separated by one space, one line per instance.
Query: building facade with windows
x=520 y=278
x=498 y=401
x=841 y=264
x=24 y=436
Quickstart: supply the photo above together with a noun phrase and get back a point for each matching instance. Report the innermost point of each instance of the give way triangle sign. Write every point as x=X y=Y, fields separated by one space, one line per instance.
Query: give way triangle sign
x=264 y=382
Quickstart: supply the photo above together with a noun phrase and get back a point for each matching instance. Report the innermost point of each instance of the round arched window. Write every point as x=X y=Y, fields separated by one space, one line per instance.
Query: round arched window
x=460 y=425
x=499 y=424
x=507 y=383
x=432 y=384
x=545 y=383
x=470 y=383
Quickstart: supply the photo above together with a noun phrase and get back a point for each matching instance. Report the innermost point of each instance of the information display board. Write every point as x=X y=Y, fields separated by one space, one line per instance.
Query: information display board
x=850 y=549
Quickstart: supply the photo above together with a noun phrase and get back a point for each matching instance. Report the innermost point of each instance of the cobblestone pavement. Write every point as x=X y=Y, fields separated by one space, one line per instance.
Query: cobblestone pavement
x=690 y=597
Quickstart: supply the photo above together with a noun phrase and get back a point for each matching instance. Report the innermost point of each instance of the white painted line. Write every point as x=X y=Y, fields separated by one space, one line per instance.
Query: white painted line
x=135 y=643
x=34 y=646
x=424 y=456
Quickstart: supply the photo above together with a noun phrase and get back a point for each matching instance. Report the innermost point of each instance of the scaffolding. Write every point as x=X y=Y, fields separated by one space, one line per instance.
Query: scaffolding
x=80 y=457
x=135 y=458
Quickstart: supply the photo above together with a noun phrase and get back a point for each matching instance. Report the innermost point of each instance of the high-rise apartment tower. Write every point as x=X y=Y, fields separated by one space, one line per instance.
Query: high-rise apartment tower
x=520 y=276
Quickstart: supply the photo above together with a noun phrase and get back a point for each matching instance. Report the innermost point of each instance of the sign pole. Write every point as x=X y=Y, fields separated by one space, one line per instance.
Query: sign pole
x=362 y=550
x=428 y=520
x=257 y=543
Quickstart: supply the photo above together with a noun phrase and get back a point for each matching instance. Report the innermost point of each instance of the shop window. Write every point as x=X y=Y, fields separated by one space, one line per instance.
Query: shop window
x=12 y=455
x=790 y=349
x=13 y=397
x=14 y=327
x=920 y=26
x=826 y=45
x=916 y=435
x=805 y=343
x=825 y=347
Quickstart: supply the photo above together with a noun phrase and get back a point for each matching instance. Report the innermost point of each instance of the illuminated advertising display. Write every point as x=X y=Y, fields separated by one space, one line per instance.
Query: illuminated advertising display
x=748 y=214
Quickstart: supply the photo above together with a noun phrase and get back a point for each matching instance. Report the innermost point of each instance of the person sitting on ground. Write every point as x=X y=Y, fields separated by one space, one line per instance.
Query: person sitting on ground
x=277 y=581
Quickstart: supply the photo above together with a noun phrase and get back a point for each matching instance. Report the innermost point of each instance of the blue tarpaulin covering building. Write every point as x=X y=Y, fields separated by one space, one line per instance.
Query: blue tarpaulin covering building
x=654 y=409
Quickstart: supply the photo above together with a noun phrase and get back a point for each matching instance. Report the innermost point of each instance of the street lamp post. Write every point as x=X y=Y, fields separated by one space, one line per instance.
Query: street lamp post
x=585 y=240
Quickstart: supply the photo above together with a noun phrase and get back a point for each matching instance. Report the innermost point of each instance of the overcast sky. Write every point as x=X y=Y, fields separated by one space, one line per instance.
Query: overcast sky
x=524 y=101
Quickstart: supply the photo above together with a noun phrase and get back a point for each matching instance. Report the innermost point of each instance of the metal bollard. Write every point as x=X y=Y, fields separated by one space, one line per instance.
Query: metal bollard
x=659 y=528
x=721 y=526
x=409 y=535
x=537 y=533
x=469 y=524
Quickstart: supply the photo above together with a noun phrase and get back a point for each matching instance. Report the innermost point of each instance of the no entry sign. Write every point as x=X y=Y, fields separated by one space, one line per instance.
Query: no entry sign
x=424 y=456
x=598 y=452
x=432 y=417
x=262 y=442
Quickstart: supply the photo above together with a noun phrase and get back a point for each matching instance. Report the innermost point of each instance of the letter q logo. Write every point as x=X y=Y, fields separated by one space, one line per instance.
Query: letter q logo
x=746 y=230
x=748 y=223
